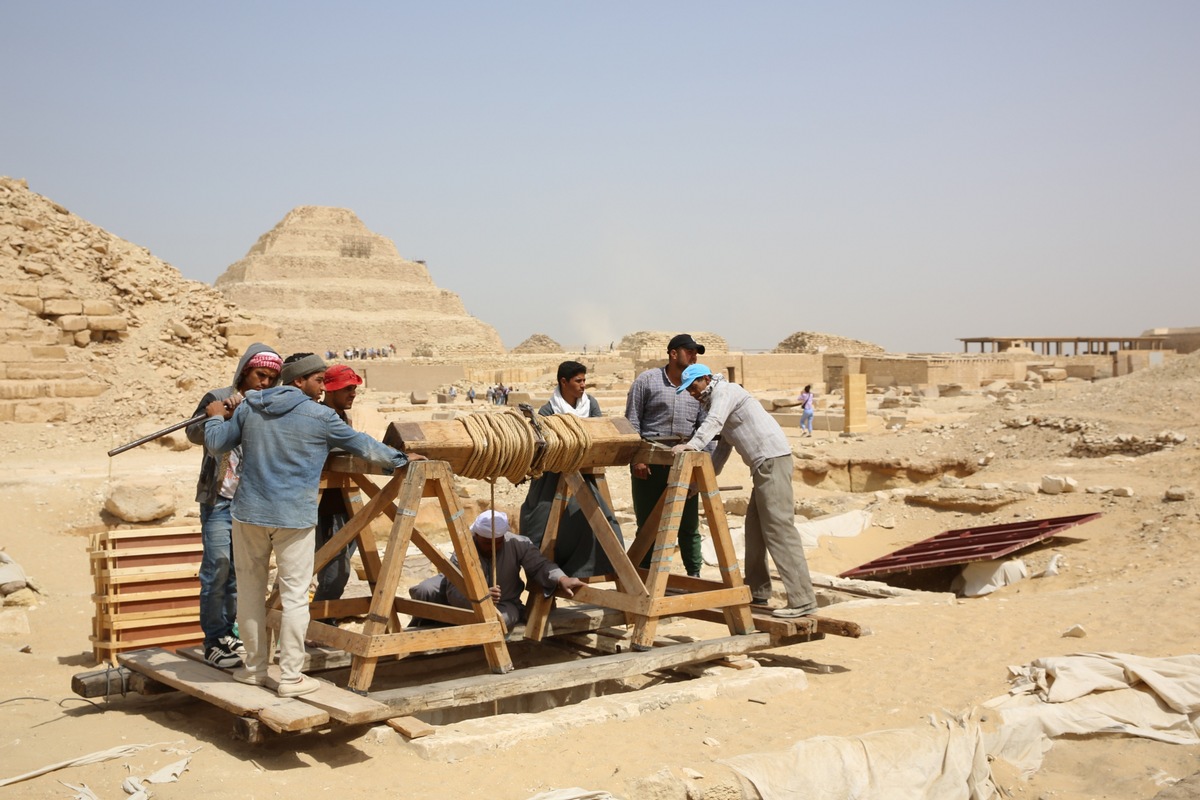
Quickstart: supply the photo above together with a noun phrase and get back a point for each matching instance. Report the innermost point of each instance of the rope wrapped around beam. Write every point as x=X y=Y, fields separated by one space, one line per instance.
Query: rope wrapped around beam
x=504 y=446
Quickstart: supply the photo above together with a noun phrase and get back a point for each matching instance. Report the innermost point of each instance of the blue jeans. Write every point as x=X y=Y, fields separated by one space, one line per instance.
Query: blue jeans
x=806 y=418
x=218 y=583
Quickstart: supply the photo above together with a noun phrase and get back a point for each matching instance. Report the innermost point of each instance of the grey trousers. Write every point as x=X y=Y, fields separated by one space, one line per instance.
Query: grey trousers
x=771 y=528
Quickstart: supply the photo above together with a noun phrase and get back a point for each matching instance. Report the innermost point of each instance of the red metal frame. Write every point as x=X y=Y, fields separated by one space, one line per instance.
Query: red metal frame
x=964 y=545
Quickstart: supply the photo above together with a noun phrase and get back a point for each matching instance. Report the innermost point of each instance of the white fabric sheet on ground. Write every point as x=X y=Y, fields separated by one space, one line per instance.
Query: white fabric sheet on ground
x=1093 y=693
x=984 y=577
x=1090 y=693
x=946 y=763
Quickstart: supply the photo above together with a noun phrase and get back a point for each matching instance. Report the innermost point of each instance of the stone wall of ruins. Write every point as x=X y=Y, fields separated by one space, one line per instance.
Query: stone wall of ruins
x=328 y=283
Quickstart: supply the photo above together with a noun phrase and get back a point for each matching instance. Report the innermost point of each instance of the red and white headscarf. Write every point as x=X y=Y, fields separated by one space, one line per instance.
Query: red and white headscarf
x=265 y=359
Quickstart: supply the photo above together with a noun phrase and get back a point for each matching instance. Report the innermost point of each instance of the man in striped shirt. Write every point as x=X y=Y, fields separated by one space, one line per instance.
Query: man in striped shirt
x=655 y=409
x=745 y=426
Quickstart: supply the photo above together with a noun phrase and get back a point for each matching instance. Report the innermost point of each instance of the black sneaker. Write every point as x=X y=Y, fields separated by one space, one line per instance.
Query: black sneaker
x=234 y=645
x=221 y=658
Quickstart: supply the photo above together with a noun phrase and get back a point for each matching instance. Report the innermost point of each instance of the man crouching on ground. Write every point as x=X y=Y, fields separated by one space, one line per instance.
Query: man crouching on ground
x=285 y=437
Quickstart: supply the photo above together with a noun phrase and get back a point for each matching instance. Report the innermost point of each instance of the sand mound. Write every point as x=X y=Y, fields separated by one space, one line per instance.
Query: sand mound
x=538 y=343
x=653 y=344
x=813 y=342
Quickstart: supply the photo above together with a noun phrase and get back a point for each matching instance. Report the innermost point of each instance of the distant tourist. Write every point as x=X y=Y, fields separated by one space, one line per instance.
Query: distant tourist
x=806 y=410
x=471 y=395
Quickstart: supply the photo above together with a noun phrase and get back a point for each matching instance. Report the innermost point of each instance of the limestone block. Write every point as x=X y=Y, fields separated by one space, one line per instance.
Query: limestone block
x=14 y=319
x=1177 y=493
x=181 y=330
x=445 y=415
x=72 y=322
x=443 y=398
x=1053 y=484
x=1022 y=487
x=768 y=405
x=22 y=598
x=176 y=440
x=49 y=352
x=737 y=505
x=78 y=388
x=82 y=338
x=14 y=352
x=54 y=291
x=1122 y=491
x=107 y=323
x=516 y=398
x=40 y=411
x=23 y=390
x=950 y=390
x=140 y=500
x=34 y=304
x=58 y=307
x=19 y=288
x=418 y=398
x=98 y=308
x=44 y=371
x=1053 y=374
x=783 y=402
x=28 y=223
x=7 y=407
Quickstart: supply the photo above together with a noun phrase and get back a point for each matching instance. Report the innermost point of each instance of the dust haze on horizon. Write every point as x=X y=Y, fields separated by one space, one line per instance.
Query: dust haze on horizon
x=905 y=174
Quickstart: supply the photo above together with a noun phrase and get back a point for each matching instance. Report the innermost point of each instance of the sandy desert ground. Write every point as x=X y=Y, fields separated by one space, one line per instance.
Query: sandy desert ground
x=1129 y=579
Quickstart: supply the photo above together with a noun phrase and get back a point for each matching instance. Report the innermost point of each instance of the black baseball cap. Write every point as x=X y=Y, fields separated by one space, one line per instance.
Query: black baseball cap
x=684 y=341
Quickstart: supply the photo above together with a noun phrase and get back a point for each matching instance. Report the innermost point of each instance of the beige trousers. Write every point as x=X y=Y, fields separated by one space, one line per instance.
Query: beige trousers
x=252 y=546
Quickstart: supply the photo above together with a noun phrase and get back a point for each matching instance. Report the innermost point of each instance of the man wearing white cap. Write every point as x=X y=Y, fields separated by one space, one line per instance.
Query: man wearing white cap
x=513 y=553
x=745 y=426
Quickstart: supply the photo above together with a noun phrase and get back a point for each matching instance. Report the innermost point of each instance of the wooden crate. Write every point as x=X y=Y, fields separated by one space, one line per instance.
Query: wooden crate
x=147 y=589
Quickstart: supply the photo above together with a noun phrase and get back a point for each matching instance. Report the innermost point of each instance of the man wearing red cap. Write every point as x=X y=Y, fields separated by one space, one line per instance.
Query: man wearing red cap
x=341 y=386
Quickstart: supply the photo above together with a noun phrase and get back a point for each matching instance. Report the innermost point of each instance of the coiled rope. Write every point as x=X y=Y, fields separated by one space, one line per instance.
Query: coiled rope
x=504 y=446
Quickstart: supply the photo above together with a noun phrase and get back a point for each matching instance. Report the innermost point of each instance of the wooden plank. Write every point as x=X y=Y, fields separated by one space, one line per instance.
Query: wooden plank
x=411 y=727
x=218 y=688
x=122 y=534
x=486 y=688
x=627 y=577
x=135 y=552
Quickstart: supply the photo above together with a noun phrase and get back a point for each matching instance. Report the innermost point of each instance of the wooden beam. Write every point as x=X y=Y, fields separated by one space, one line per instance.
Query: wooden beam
x=216 y=687
x=486 y=688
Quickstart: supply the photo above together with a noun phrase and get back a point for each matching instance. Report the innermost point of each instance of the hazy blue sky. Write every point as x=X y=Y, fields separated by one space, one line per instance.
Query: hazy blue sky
x=906 y=173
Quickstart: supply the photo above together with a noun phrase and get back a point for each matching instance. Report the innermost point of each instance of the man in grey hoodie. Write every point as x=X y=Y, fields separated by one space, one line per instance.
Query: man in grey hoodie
x=285 y=435
x=257 y=369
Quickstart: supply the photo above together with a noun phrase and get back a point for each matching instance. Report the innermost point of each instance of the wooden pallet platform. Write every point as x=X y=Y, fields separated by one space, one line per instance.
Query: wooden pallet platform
x=146 y=589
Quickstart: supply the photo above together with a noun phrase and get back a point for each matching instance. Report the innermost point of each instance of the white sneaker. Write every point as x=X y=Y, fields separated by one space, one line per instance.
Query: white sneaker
x=243 y=675
x=305 y=685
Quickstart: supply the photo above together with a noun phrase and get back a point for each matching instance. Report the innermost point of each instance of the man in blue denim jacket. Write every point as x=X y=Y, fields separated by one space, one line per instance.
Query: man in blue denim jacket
x=285 y=437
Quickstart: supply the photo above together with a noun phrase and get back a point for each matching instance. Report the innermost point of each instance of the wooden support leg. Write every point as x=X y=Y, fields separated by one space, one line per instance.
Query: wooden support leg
x=673 y=500
x=736 y=617
x=472 y=570
x=362 y=668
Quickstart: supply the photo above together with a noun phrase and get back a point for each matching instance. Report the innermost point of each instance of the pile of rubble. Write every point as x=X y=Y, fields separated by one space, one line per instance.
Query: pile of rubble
x=812 y=342
x=97 y=330
x=652 y=345
x=538 y=343
x=1093 y=446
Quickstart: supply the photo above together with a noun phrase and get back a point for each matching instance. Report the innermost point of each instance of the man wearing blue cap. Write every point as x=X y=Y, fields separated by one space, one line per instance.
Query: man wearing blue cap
x=745 y=426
